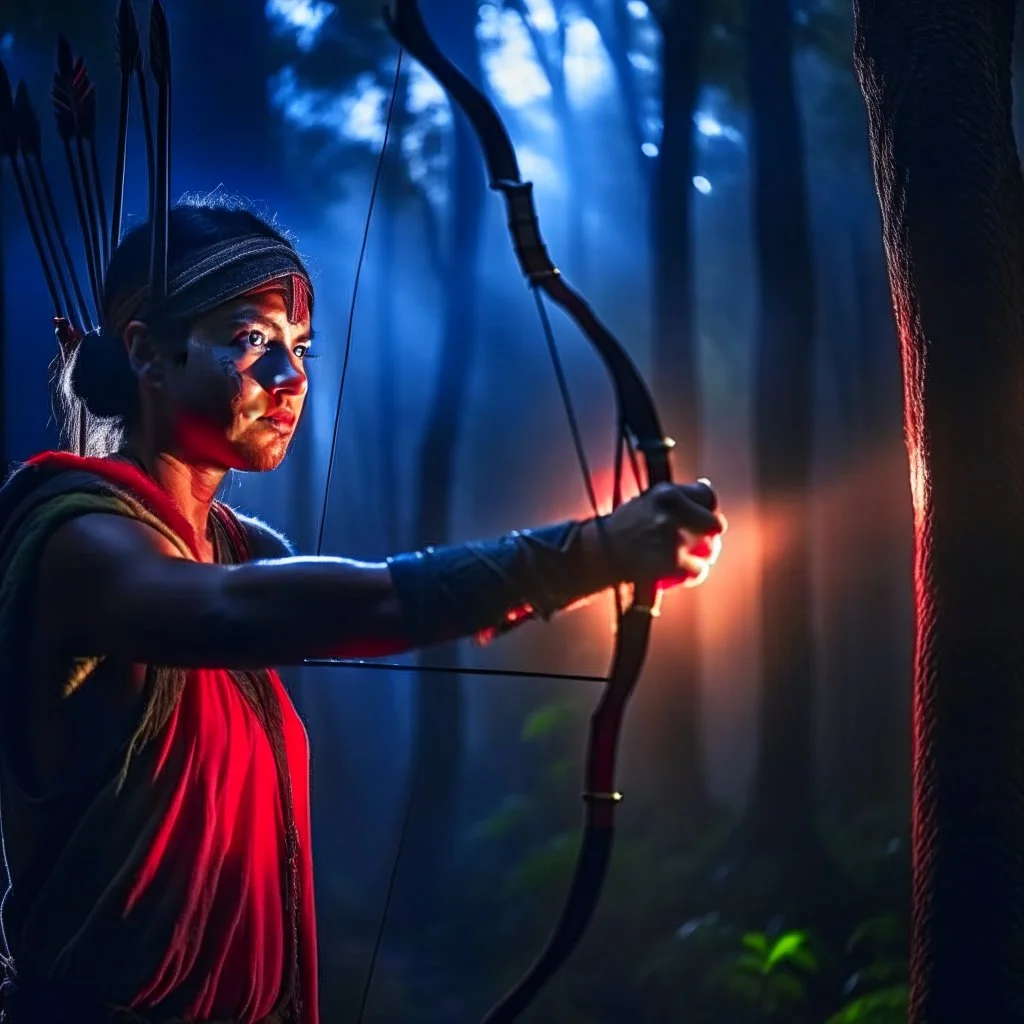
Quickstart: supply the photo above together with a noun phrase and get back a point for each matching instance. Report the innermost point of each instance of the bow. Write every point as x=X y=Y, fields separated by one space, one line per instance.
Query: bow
x=639 y=432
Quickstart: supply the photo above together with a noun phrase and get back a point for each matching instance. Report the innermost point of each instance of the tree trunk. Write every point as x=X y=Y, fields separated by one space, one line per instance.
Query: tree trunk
x=781 y=810
x=573 y=149
x=672 y=713
x=436 y=764
x=1018 y=82
x=614 y=22
x=936 y=82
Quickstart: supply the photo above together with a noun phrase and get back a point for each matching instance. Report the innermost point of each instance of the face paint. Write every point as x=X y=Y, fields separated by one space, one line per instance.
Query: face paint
x=230 y=370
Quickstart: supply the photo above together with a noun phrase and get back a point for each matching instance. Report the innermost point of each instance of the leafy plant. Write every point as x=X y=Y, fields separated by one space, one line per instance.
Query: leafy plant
x=884 y=1006
x=769 y=975
x=879 y=987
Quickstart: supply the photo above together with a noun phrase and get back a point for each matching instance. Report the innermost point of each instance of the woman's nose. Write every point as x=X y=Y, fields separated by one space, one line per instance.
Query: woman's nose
x=279 y=371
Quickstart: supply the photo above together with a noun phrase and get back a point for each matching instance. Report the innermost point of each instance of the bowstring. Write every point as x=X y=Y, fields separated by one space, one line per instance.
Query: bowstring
x=462 y=670
x=407 y=813
x=352 y=302
x=633 y=461
x=568 y=405
x=623 y=444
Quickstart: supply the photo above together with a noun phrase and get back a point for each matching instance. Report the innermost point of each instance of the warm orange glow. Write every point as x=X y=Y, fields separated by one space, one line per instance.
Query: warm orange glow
x=725 y=610
x=759 y=539
x=699 y=556
x=604 y=482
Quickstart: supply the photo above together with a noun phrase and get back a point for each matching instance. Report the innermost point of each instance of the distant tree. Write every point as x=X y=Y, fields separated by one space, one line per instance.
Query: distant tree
x=349 y=59
x=440 y=712
x=863 y=614
x=783 y=424
x=549 y=50
x=704 y=43
x=677 y=729
x=778 y=834
x=386 y=341
x=671 y=710
x=322 y=76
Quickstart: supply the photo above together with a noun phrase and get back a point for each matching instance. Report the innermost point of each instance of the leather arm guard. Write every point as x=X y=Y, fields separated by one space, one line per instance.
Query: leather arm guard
x=485 y=588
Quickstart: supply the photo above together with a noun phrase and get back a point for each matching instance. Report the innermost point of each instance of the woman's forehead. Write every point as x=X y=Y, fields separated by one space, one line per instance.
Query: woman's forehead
x=269 y=303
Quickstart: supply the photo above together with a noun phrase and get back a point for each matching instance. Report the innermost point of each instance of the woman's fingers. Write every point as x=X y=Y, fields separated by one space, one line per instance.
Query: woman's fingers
x=685 y=503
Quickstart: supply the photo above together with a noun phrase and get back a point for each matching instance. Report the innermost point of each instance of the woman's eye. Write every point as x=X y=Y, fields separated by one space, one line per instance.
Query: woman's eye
x=256 y=339
x=302 y=351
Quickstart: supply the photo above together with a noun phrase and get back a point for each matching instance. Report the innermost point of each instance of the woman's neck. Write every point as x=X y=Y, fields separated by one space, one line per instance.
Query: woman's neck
x=193 y=488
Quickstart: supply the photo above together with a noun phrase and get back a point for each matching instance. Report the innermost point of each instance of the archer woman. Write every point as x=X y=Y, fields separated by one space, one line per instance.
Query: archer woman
x=154 y=775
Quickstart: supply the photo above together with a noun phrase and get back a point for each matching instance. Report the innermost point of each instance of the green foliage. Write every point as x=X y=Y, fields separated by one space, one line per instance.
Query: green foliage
x=508 y=819
x=638 y=962
x=548 y=721
x=872 y=845
x=878 y=987
x=542 y=874
x=886 y=1006
x=768 y=975
x=879 y=936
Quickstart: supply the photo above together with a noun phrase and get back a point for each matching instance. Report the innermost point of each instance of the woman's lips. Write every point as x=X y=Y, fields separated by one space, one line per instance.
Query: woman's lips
x=280 y=421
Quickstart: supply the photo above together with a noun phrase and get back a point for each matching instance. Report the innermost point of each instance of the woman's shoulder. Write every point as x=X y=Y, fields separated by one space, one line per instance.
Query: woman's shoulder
x=261 y=539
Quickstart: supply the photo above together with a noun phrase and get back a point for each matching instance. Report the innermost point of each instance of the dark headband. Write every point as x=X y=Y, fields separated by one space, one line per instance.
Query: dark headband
x=206 y=279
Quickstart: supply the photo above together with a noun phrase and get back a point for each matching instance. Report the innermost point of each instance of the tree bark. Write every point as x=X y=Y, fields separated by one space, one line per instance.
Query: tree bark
x=936 y=83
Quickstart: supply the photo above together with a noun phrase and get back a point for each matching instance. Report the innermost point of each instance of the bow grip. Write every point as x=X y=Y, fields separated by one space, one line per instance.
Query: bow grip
x=524 y=228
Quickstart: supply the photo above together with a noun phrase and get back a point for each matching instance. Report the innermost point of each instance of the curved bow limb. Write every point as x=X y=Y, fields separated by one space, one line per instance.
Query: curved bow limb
x=640 y=423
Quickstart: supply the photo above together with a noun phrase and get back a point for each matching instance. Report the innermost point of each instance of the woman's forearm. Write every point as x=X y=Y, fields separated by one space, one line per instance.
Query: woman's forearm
x=284 y=611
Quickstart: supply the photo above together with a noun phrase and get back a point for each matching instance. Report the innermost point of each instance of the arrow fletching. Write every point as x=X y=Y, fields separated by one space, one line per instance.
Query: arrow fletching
x=129 y=40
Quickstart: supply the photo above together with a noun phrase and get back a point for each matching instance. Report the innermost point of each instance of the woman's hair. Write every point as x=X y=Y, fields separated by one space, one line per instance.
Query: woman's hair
x=98 y=376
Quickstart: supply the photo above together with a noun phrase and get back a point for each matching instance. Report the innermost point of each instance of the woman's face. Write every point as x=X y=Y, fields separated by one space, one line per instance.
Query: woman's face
x=235 y=400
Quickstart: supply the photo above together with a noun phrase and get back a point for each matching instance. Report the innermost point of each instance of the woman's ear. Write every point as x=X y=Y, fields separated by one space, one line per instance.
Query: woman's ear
x=144 y=356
